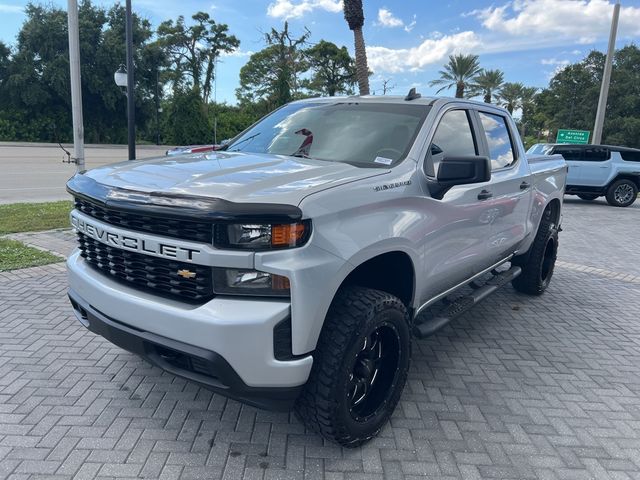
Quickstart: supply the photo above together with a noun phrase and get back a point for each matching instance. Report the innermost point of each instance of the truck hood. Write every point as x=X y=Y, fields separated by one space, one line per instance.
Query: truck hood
x=236 y=177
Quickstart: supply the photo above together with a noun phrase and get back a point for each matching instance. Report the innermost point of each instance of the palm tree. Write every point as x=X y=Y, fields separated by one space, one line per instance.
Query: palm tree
x=488 y=83
x=510 y=95
x=459 y=72
x=354 y=15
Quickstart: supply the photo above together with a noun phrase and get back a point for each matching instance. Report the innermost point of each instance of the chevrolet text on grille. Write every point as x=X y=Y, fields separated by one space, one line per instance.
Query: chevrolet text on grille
x=131 y=242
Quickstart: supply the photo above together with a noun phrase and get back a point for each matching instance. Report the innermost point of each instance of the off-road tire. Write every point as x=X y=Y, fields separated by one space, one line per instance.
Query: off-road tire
x=539 y=262
x=588 y=196
x=613 y=196
x=324 y=405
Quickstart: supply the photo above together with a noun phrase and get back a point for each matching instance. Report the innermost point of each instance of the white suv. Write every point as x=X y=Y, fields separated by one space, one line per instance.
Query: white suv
x=598 y=170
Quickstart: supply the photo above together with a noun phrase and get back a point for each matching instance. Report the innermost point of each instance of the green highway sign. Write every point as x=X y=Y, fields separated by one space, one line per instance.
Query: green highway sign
x=573 y=136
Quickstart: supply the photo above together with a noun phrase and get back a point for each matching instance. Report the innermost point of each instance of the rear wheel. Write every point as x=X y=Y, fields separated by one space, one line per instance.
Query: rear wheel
x=622 y=193
x=588 y=196
x=360 y=367
x=538 y=264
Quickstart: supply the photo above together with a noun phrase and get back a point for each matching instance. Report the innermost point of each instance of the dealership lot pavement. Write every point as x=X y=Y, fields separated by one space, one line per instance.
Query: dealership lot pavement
x=518 y=388
x=34 y=172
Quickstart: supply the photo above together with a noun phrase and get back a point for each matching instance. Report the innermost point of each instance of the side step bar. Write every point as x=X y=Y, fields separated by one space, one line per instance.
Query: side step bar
x=461 y=305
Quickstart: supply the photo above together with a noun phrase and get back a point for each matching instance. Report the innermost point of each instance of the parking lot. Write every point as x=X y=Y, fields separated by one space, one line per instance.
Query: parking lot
x=518 y=388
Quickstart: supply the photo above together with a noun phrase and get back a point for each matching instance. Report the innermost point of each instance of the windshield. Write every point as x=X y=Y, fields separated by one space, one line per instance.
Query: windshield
x=363 y=134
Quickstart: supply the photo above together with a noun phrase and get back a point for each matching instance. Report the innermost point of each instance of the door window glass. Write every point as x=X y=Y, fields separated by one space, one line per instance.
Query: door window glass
x=453 y=138
x=631 y=155
x=570 y=153
x=596 y=154
x=499 y=140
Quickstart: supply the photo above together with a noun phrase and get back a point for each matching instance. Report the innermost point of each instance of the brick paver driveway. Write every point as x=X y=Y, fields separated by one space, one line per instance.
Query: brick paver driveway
x=518 y=388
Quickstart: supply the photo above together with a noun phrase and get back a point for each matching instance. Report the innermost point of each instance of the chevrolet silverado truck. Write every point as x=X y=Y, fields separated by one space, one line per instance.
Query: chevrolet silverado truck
x=292 y=269
x=598 y=171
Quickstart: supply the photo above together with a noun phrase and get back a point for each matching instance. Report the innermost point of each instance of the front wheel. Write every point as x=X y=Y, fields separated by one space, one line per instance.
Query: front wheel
x=359 y=368
x=538 y=264
x=622 y=193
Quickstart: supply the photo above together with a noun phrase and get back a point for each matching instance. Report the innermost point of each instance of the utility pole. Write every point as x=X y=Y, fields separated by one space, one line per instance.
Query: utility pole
x=76 y=89
x=606 y=77
x=131 y=94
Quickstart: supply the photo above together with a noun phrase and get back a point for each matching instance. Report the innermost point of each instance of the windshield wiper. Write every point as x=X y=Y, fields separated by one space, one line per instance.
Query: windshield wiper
x=250 y=137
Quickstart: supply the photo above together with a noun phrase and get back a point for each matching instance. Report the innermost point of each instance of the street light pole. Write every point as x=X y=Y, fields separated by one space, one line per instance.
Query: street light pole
x=131 y=94
x=606 y=77
x=76 y=89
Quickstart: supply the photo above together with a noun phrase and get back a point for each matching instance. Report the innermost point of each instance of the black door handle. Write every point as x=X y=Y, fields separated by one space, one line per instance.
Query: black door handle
x=524 y=185
x=484 y=194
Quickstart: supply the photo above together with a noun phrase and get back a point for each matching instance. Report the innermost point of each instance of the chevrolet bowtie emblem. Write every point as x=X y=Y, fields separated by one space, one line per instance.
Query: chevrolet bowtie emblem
x=187 y=274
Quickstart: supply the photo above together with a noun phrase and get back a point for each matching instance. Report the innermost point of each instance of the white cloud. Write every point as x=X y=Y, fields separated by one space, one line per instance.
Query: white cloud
x=430 y=51
x=584 y=21
x=6 y=8
x=387 y=19
x=554 y=61
x=238 y=52
x=409 y=27
x=286 y=9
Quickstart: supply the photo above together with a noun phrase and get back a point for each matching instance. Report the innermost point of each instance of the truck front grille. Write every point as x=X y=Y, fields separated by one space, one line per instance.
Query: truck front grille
x=145 y=272
x=168 y=227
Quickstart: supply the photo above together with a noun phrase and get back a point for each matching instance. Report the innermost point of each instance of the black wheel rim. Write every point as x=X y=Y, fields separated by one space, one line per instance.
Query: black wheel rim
x=548 y=260
x=374 y=372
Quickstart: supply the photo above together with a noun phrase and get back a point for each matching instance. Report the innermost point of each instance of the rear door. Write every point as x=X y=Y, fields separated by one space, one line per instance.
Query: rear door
x=511 y=183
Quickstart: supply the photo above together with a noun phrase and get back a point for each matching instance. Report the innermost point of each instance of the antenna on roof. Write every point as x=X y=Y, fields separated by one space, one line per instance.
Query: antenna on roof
x=412 y=95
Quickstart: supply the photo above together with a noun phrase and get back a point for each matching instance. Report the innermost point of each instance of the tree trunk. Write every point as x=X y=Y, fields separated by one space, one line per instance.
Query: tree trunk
x=362 y=69
x=459 y=90
x=487 y=97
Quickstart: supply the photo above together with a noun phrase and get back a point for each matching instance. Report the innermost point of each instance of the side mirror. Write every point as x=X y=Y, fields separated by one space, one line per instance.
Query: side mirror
x=454 y=171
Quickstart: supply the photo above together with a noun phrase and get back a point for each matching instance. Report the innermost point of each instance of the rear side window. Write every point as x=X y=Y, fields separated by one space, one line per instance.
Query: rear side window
x=453 y=138
x=499 y=140
x=596 y=154
x=631 y=156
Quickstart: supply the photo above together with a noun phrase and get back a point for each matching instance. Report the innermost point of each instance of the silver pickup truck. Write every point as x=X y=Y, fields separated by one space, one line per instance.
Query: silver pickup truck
x=292 y=269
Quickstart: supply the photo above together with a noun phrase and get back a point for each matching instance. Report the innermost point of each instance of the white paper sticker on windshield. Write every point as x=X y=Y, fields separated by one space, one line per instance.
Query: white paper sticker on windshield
x=383 y=160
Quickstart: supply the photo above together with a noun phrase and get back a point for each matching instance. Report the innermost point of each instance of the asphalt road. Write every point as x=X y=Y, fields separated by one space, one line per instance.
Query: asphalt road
x=35 y=172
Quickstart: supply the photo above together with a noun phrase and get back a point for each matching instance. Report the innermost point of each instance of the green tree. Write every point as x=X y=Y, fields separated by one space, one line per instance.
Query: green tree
x=194 y=49
x=270 y=77
x=35 y=90
x=459 y=72
x=185 y=121
x=333 y=69
x=487 y=83
x=354 y=15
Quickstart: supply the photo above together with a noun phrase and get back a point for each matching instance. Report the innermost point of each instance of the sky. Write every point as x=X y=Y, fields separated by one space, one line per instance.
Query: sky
x=408 y=41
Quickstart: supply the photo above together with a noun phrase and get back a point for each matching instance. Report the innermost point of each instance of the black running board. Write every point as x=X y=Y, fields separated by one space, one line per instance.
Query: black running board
x=461 y=305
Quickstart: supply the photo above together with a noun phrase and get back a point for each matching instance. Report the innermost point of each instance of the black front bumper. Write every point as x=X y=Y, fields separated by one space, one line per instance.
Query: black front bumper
x=193 y=363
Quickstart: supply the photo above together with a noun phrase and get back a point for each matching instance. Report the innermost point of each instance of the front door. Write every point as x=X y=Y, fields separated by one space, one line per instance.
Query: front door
x=455 y=243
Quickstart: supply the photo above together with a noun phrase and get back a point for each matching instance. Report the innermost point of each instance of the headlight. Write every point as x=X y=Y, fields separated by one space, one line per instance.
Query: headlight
x=234 y=281
x=262 y=236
